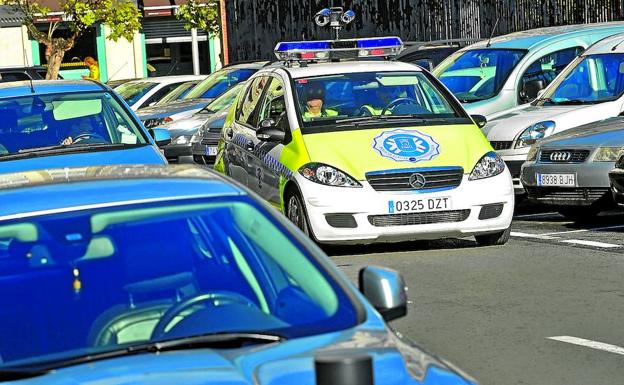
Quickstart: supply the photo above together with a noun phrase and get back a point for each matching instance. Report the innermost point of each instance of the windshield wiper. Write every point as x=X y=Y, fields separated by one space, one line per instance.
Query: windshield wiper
x=19 y=374
x=61 y=149
x=377 y=118
x=572 y=102
x=206 y=341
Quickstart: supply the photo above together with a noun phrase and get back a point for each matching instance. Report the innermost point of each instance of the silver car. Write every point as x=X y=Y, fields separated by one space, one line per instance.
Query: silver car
x=570 y=170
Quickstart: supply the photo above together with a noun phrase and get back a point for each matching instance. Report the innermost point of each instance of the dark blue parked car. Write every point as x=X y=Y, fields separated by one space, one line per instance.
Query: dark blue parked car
x=173 y=275
x=49 y=124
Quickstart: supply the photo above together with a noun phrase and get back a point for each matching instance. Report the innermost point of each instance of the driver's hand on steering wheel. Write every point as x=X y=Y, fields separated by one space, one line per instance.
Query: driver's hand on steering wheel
x=67 y=141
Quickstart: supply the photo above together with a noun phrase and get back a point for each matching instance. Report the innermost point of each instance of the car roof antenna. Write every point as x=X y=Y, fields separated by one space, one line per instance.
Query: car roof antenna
x=30 y=80
x=615 y=46
x=489 y=42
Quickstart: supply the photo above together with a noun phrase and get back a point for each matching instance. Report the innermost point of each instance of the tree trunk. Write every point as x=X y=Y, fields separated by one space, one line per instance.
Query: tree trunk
x=54 y=63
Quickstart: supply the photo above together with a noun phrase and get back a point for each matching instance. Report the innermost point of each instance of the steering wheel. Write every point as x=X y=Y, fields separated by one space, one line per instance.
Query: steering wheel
x=89 y=135
x=397 y=102
x=215 y=298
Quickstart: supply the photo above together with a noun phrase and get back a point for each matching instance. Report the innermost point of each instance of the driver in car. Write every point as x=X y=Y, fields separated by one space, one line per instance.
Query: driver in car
x=314 y=101
x=384 y=96
x=80 y=129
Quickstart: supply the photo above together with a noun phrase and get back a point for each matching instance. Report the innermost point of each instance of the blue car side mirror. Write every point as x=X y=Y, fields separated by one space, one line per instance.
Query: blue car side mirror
x=161 y=136
x=385 y=289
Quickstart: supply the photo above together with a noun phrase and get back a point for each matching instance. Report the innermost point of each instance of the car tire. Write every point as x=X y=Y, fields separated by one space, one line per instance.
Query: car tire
x=494 y=239
x=296 y=212
x=578 y=214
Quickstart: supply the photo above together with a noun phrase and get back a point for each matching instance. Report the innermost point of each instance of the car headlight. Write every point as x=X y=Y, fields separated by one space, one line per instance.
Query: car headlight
x=327 y=175
x=532 y=155
x=607 y=154
x=151 y=123
x=182 y=139
x=535 y=132
x=488 y=166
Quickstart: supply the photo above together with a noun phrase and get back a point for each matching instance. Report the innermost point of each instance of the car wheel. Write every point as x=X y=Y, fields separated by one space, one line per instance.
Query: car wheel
x=494 y=239
x=295 y=211
x=578 y=214
x=198 y=159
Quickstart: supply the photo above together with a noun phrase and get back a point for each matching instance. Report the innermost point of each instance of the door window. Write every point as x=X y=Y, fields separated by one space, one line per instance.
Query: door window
x=544 y=70
x=274 y=105
x=247 y=105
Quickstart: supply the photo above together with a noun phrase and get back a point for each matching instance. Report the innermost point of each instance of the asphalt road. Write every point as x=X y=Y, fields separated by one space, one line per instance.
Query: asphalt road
x=492 y=310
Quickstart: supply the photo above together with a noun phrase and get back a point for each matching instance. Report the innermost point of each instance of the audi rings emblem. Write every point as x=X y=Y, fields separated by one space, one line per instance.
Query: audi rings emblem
x=560 y=156
x=417 y=181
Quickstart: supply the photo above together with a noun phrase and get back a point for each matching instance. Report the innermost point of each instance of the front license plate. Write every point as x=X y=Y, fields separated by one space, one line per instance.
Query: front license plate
x=211 y=151
x=564 y=180
x=415 y=205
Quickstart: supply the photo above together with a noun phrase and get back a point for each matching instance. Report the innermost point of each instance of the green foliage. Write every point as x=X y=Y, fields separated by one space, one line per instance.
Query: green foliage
x=121 y=16
x=201 y=15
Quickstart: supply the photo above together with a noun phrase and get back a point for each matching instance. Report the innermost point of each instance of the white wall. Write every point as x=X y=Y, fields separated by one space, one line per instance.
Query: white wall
x=124 y=60
x=15 y=49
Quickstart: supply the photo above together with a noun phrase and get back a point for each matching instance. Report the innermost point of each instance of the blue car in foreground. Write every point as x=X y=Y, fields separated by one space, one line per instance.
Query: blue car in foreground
x=173 y=275
x=54 y=124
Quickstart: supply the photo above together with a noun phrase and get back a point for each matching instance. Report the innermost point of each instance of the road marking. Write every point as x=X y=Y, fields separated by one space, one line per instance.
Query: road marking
x=585 y=230
x=589 y=343
x=535 y=215
x=527 y=235
x=591 y=243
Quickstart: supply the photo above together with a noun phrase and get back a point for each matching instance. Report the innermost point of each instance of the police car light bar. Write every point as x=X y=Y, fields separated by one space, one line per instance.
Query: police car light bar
x=326 y=50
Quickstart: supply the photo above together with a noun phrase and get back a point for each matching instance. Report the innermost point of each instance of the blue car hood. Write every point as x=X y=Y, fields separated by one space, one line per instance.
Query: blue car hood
x=147 y=154
x=283 y=363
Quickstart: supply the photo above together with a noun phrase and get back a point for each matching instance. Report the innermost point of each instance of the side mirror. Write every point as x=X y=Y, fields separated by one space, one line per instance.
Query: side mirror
x=480 y=120
x=385 y=289
x=269 y=132
x=161 y=136
x=532 y=88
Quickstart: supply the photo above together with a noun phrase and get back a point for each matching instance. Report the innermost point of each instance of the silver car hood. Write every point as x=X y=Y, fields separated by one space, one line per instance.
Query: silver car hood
x=608 y=132
x=511 y=123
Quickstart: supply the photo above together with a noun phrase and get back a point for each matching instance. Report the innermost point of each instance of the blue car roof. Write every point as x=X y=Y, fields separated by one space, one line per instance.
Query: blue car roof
x=57 y=190
x=46 y=87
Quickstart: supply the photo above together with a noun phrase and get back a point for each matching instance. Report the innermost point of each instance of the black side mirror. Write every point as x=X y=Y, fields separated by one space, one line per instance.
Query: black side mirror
x=269 y=132
x=532 y=88
x=479 y=120
x=385 y=289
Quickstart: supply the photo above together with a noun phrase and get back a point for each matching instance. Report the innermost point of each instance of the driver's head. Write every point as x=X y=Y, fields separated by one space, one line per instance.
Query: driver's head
x=387 y=94
x=79 y=126
x=315 y=96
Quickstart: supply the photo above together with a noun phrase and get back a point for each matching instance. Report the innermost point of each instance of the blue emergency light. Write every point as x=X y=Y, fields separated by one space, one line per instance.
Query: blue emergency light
x=326 y=50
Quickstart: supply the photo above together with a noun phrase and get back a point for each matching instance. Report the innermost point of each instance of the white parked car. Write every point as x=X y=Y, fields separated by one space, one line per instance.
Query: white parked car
x=590 y=89
x=147 y=92
x=492 y=76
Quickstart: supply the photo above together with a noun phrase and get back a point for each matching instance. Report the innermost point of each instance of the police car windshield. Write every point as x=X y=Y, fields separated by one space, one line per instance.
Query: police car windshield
x=326 y=100
x=478 y=74
x=593 y=79
x=36 y=122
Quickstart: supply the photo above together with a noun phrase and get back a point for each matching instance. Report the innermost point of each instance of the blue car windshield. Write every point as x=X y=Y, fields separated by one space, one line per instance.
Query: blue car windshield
x=478 y=74
x=177 y=93
x=86 y=282
x=591 y=79
x=70 y=119
x=219 y=82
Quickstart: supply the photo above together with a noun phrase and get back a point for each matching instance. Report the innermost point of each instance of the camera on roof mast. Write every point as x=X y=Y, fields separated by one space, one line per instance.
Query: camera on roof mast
x=335 y=17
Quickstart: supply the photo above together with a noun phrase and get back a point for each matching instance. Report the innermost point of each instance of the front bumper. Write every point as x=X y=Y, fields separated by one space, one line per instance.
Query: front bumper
x=616 y=178
x=361 y=215
x=178 y=153
x=592 y=183
x=514 y=158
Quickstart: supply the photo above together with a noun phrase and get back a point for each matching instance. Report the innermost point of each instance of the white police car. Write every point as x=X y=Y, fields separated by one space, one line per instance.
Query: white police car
x=365 y=151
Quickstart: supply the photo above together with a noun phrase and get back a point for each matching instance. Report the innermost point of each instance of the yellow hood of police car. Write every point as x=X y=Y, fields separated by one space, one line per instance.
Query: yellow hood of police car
x=359 y=151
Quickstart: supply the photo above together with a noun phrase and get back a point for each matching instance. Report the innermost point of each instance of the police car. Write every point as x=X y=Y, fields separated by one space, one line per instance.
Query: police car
x=362 y=151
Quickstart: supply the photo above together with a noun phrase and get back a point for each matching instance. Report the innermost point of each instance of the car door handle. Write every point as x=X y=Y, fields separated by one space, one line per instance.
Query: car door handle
x=250 y=146
x=229 y=133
